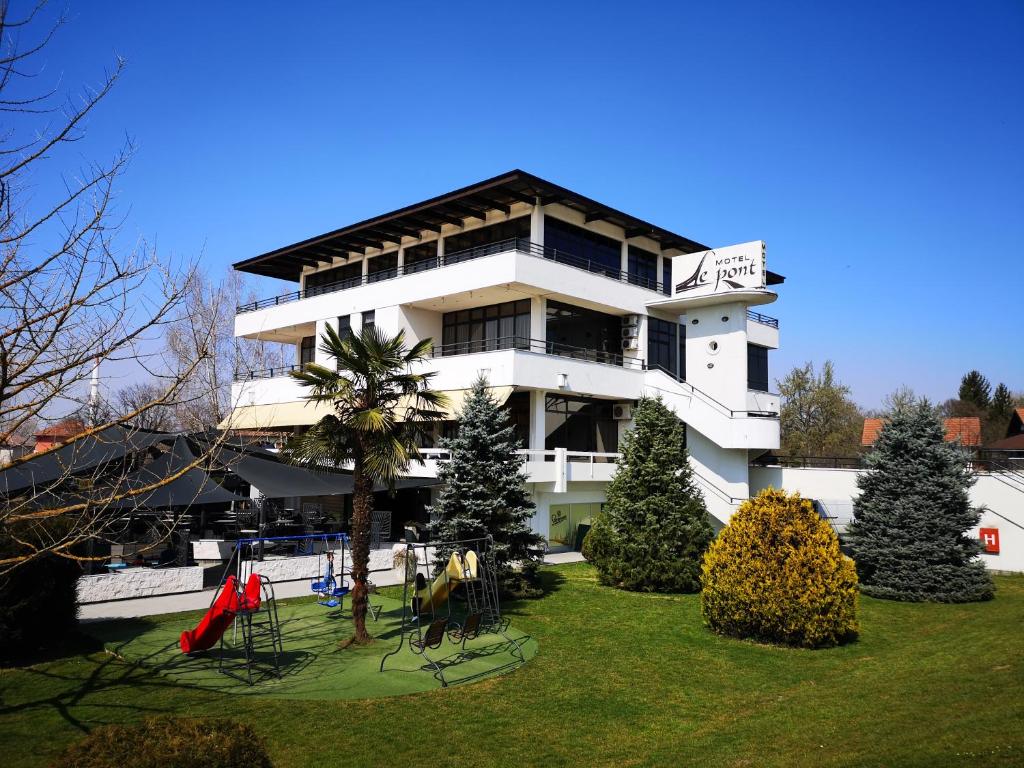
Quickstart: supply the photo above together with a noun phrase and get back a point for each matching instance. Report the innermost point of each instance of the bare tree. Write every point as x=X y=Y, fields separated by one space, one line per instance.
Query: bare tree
x=135 y=398
x=70 y=294
x=209 y=323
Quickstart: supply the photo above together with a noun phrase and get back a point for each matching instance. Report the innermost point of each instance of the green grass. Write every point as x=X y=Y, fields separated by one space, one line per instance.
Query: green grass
x=312 y=666
x=619 y=679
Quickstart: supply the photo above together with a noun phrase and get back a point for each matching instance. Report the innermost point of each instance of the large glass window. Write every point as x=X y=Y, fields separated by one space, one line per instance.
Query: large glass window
x=499 y=326
x=662 y=345
x=582 y=248
x=580 y=424
x=666 y=280
x=458 y=247
x=757 y=367
x=595 y=335
x=419 y=258
x=682 y=351
x=307 y=350
x=369 y=319
x=345 y=276
x=643 y=268
x=382 y=267
x=344 y=327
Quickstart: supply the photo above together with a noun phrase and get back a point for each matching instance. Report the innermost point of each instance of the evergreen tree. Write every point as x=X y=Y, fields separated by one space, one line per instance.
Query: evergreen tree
x=484 y=491
x=999 y=412
x=975 y=388
x=908 y=534
x=654 y=527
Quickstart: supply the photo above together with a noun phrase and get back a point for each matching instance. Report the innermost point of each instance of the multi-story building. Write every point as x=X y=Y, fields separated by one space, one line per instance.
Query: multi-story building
x=571 y=309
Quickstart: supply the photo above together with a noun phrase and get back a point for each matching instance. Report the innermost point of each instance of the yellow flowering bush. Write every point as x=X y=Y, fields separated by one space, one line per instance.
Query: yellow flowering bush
x=776 y=574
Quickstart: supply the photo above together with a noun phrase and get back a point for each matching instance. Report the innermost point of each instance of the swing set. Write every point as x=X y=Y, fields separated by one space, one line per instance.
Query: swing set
x=468 y=570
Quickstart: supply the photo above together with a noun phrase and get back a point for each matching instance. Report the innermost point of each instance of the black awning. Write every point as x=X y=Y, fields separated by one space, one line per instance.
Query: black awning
x=276 y=479
x=193 y=487
x=110 y=444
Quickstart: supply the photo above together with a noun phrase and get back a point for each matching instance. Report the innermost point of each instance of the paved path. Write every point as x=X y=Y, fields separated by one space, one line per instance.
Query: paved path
x=196 y=601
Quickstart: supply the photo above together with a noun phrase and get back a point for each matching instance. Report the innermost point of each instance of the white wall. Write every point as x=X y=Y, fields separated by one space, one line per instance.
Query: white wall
x=837 y=488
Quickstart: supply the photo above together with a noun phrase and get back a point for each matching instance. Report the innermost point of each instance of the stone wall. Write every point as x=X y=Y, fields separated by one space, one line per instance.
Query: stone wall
x=139 y=582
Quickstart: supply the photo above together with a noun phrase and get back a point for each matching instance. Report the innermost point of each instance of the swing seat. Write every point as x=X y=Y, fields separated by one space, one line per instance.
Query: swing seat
x=329 y=603
x=318 y=586
x=339 y=592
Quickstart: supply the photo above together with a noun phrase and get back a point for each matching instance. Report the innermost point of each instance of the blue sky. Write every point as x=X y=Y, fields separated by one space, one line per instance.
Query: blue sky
x=876 y=147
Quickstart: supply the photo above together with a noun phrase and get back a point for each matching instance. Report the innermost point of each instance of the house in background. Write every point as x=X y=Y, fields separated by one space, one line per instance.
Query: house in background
x=966 y=429
x=1014 y=439
x=572 y=310
x=58 y=432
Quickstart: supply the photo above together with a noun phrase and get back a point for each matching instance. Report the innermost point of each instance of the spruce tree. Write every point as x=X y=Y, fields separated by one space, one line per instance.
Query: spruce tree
x=484 y=491
x=654 y=527
x=999 y=412
x=975 y=388
x=909 y=531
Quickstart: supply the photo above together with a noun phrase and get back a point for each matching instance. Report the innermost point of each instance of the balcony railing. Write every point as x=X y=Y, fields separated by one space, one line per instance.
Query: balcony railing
x=536 y=345
x=520 y=244
x=267 y=373
x=757 y=317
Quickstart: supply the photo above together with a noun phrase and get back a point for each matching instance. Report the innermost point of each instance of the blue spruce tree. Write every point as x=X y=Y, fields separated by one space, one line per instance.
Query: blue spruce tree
x=484 y=492
x=909 y=531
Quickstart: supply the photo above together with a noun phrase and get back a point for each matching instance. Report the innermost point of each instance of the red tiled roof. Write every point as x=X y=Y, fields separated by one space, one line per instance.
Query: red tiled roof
x=63 y=428
x=871 y=429
x=966 y=429
x=1014 y=443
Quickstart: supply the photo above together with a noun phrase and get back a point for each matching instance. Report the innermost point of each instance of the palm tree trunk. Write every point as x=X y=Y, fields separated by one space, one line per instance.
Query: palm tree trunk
x=362 y=508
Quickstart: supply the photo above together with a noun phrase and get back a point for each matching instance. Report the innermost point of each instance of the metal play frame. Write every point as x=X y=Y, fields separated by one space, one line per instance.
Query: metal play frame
x=477 y=576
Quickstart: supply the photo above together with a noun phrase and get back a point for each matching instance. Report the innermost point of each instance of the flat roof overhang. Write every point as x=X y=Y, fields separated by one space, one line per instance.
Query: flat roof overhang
x=679 y=305
x=472 y=202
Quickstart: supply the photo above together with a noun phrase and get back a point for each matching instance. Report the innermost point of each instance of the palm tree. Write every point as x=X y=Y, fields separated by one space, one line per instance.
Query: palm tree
x=380 y=408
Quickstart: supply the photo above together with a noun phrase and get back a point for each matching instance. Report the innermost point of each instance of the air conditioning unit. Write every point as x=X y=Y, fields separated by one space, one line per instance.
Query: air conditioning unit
x=630 y=344
x=622 y=411
x=630 y=320
x=630 y=331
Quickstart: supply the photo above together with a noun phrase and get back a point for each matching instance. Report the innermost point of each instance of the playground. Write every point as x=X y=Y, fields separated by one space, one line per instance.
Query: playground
x=446 y=628
x=311 y=665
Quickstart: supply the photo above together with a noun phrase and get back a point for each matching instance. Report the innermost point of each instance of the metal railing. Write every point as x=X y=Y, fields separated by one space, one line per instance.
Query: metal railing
x=809 y=462
x=520 y=244
x=525 y=344
x=757 y=317
x=267 y=373
x=714 y=402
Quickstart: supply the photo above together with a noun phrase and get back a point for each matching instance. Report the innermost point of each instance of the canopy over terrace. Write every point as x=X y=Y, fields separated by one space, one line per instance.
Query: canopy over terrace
x=302 y=413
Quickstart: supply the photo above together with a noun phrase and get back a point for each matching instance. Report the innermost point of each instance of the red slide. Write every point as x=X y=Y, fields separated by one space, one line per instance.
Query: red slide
x=221 y=614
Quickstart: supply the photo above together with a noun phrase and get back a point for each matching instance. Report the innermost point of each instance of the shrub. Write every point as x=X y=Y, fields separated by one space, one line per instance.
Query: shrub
x=38 y=603
x=776 y=574
x=169 y=742
x=654 y=527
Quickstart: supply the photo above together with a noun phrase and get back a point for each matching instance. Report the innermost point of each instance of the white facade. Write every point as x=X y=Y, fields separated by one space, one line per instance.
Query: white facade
x=728 y=422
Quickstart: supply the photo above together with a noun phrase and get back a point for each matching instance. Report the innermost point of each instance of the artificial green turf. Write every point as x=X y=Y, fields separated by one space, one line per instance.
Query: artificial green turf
x=619 y=679
x=312 y=666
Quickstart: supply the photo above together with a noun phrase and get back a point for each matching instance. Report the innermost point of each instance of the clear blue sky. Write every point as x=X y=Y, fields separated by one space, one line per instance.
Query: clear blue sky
x=876 y=147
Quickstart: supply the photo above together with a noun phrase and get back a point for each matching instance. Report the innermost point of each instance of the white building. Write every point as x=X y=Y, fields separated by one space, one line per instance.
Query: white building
x=572 y=310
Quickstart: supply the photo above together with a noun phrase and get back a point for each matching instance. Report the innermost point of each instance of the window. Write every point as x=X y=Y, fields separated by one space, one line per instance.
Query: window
x=382 y=267
x=582 y=248
x=757 y=367
x=455 y=246
x=307 y=350
x=346 y=276
x=662 y=345
x=499 y=326
x=572 y=330
x=682 y=351
x=344 y=327
x=666 y=268
x=419 y=258
x=643 y=268
x=369 y=319
x=580 y=424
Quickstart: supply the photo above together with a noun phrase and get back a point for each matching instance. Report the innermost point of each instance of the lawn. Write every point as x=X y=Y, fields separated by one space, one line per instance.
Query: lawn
x=618 y=679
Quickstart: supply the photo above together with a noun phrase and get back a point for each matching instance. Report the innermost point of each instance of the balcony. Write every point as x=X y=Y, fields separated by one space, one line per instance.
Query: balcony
x=519 y=245
x=536 y=345
x=558 y=466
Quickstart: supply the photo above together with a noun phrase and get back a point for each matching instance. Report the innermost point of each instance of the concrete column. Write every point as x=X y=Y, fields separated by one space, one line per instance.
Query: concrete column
x=537 y=223
x=440 y=250
x=538 y=319
x=401 y=259
x=624 y=259
x=538 y=426
x=366 y=267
